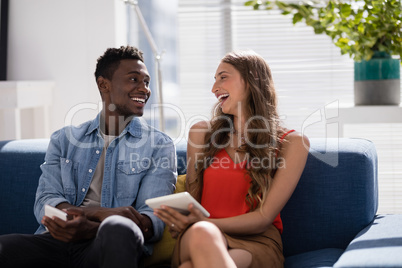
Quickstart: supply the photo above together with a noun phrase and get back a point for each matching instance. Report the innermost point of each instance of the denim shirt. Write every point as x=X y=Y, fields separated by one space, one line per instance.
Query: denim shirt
x=139 y=164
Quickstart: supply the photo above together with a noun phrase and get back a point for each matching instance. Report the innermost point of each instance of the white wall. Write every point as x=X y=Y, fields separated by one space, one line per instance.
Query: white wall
x=60 y=40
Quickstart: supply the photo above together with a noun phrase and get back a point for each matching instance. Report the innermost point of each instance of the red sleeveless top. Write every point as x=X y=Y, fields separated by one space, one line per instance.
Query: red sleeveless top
x=225 y=188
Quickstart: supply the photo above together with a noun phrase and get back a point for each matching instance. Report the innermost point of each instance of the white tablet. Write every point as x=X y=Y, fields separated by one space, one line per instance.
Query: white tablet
x=179 y=201
x=52 y=211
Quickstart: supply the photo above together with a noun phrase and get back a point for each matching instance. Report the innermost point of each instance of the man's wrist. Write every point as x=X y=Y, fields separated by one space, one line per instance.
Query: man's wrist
x=96 y=214
x=93 y=227
x=148 y=229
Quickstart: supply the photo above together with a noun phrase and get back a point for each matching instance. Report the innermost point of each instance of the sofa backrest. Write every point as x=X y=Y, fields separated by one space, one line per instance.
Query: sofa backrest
x=335 y=198
x=20 y=162
x=181 y=152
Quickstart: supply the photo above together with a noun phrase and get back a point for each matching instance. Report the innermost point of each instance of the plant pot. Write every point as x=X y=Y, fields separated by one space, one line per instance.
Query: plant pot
x=377 y=81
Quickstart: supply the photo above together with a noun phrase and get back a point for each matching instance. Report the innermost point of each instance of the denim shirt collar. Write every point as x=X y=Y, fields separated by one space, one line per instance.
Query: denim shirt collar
x=134 y=127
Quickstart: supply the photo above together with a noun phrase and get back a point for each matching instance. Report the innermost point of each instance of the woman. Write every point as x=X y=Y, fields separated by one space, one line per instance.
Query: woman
x=242 y=167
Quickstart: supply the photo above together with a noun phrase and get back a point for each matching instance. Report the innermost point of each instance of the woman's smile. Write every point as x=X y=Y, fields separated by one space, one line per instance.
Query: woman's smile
x=222 y=98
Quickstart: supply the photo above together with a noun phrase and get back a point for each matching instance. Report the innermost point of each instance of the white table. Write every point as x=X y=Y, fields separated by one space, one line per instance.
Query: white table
x=350 y=114
x=18 y=95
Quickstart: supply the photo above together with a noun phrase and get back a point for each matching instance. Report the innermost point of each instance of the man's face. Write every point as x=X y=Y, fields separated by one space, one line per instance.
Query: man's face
x=128 y=89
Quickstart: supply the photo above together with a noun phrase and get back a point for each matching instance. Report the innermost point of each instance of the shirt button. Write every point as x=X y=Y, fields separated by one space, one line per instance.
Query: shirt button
x=133 y=169
x=83 y=190
x=67 y=161
x=97 y=152
x=90 y=170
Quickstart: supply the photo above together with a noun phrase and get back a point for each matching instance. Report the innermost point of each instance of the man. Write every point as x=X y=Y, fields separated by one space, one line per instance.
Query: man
x=100 y=174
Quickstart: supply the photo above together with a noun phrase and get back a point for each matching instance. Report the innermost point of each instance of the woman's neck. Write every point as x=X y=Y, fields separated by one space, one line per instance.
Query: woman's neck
x=239 y=124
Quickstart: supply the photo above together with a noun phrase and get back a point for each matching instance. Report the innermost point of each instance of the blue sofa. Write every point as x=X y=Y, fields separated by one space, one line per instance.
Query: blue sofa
x=330 y=221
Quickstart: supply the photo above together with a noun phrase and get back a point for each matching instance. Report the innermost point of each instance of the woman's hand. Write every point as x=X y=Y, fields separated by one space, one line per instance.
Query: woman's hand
x=176 y=221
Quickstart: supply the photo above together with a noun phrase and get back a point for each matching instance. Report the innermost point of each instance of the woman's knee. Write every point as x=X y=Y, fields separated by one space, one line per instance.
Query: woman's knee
x=204 y=234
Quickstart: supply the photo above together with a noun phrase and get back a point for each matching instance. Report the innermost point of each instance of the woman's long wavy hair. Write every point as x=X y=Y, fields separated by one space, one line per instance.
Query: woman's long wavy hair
x=262 y=115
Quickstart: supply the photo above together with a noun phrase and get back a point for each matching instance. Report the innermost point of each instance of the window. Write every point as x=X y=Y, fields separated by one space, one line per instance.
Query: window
x=309 y=74
x=160 y=17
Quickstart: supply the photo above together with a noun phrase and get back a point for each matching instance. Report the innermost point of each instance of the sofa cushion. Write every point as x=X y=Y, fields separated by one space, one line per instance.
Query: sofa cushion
x=335 y=198
x=181 y=152
x=163 y=249
x=378 y=245
x=314 y=259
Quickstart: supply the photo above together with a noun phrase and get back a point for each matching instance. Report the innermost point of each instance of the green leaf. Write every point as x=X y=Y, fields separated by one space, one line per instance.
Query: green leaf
x=368 y=54
x=369 y=42
x=318 y=28
x=371 y=18
x=344 y=28
x=346 y=10
x=305 y=11
x=358 y=16
x=282 y=6
x=297 y=18
x=343 y=40
x=255 y=4
x=360 y=28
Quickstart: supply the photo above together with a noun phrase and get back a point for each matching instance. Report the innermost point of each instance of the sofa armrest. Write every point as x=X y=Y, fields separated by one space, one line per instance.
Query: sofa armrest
x=377 y=245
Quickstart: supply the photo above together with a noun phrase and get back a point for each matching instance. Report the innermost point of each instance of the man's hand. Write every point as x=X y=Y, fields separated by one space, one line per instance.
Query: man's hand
x=143 y=221
x=84 y=222
x=76 y=228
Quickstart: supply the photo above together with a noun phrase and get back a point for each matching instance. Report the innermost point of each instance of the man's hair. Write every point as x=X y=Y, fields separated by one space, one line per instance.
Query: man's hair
x=110 y=60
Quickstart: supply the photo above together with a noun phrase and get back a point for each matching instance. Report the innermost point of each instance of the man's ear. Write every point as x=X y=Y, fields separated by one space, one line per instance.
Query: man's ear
x=103 y=84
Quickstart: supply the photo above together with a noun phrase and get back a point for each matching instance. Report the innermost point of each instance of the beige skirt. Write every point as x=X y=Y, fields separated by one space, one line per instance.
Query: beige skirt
x=266 y=248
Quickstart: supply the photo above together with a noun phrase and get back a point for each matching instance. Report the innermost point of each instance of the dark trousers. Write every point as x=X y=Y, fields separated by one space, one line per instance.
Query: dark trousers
x=118 y=243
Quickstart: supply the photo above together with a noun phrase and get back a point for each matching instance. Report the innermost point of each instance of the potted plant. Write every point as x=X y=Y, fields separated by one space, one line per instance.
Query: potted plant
x=370 y=31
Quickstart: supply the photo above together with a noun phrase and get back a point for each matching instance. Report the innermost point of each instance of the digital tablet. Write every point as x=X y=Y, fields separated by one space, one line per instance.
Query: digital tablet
x=179 y=201
x=52 y=211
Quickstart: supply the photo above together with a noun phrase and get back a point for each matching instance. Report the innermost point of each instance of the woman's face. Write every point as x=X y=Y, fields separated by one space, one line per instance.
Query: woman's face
x=230 y=89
